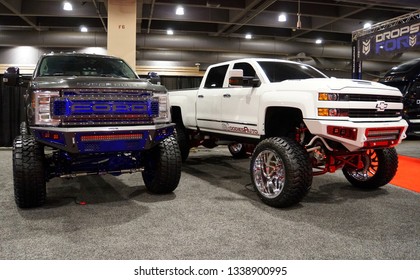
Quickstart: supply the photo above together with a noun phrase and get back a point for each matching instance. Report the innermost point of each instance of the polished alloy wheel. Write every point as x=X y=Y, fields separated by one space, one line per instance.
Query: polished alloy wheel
x=269 y=174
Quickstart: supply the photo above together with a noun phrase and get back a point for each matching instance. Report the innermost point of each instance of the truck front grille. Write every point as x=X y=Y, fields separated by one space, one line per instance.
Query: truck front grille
x=89 y=107
x=373 y=113
x=370 y=98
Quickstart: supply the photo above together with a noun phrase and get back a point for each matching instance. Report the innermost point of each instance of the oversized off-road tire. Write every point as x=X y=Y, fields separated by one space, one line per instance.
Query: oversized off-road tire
x=183 y=141
x=28 y=172
x=379 y=167
x=238 y=150
x=280 y=171
x=162 y=167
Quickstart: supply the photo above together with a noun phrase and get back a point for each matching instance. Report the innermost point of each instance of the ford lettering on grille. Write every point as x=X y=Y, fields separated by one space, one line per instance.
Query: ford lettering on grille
x=108 y=108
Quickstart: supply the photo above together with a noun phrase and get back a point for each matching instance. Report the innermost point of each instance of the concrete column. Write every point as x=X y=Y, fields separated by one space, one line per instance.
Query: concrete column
x=122 y=25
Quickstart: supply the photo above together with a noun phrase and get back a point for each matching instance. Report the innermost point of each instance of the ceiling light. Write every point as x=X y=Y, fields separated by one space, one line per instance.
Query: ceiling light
x=248 y=36
x=318 y=41
x=83 y=29
x=367 y=25
x=170 y=32
x=67 y=6
x=179 y=10
x=282 y=17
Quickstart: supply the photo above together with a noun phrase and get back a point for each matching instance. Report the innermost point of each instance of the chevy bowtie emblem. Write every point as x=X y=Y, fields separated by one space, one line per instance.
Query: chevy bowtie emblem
x=381 y=106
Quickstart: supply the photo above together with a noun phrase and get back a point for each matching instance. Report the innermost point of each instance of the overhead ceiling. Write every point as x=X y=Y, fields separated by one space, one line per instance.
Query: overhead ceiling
x=217 y=21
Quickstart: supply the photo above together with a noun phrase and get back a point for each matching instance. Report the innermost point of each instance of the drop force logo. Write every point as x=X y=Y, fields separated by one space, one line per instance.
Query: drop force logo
x=397 y=39
x=366 y=47
x=394 y=40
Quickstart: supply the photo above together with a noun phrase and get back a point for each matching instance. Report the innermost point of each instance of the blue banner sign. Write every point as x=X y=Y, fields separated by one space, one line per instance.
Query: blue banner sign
x=390 y=41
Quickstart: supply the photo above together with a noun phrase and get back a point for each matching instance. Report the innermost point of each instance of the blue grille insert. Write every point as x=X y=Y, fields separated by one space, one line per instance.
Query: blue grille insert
x=88 y=107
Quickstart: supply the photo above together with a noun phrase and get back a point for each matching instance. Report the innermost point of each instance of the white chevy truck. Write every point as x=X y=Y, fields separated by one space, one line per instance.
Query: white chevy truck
x=296 y=122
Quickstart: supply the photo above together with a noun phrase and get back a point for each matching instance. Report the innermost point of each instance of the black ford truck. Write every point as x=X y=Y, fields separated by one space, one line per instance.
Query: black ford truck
x=406 y=77
x=91 y=114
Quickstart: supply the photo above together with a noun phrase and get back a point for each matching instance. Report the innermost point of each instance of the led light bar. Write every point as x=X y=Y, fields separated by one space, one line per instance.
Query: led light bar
x=110 y=137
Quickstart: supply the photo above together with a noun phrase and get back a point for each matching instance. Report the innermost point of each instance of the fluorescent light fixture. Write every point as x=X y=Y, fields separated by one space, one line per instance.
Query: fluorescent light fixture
x=67 y=6
x=170 y=32
x=83 y=29
x=282 y=17
x=248 y=36
x=367 y=25
x=179 y=10
x=318 y=41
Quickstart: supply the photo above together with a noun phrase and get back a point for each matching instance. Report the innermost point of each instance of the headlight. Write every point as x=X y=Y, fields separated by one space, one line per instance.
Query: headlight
x=41 y=104
x=328 y=96
x=164 y=112
x=332 y=112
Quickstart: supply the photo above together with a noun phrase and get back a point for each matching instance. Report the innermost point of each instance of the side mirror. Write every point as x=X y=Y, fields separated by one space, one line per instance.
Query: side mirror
x=11 y=76
x=153 y=77
x=236 y=78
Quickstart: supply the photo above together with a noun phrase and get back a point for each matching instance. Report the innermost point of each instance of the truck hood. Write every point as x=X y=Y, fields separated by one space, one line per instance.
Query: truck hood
x=75 y=82
x=334 y=84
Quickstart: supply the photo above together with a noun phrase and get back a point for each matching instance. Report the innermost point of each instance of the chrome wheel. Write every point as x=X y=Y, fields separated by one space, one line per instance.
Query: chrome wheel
x=269 y=174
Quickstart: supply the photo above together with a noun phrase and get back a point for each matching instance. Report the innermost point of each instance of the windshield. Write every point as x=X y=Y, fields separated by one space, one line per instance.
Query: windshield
x=84 y=66
x=404 y=67
x=280 y=71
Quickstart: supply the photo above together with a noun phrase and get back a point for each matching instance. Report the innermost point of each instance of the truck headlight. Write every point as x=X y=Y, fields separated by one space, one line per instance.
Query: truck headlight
x=41 y=103
x=332 y=112
x=328 y=96
x=164 y=112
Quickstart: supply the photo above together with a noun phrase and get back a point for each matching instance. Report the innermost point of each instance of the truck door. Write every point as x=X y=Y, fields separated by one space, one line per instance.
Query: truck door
x=209 y=99
x=240 y=105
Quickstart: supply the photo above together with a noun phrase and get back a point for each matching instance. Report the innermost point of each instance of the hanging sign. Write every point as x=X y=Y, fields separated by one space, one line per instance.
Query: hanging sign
x=390 y=41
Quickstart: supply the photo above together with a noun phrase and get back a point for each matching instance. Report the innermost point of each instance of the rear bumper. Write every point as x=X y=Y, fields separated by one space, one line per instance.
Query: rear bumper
x=102 y=139
x=361 y=135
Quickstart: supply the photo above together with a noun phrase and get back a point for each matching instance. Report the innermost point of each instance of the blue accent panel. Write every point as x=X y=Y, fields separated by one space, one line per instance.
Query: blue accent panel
x=154 y=108
x=66 y=107
x=61 y=107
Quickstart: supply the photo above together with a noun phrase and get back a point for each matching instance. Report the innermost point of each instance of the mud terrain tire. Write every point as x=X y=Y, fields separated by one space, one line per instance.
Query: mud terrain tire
x=162 y=167
x=380 y=166
x=28 y=172
x=280 y=171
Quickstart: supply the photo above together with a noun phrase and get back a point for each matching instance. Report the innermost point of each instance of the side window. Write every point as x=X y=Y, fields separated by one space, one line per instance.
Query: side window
x=249 y=71
x=216 y=76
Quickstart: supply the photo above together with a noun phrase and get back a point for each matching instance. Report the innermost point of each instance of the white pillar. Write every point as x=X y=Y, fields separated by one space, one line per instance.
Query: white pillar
x=122 y=23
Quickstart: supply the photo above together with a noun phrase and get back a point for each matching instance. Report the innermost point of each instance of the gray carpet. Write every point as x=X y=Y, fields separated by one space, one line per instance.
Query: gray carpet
x=213 y=214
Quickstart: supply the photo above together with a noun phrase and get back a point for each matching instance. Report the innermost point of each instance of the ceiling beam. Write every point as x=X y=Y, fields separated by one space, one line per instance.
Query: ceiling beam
x=15 y=7
x=323 y=25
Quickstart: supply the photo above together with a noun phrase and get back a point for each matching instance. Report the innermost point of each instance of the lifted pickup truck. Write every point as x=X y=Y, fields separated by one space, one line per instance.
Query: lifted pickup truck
x=296 y=122
x=91 y=114
x=406 y=77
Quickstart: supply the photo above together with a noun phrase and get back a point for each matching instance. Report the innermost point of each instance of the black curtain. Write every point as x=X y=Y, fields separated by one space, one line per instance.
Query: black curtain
x=12 y=112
